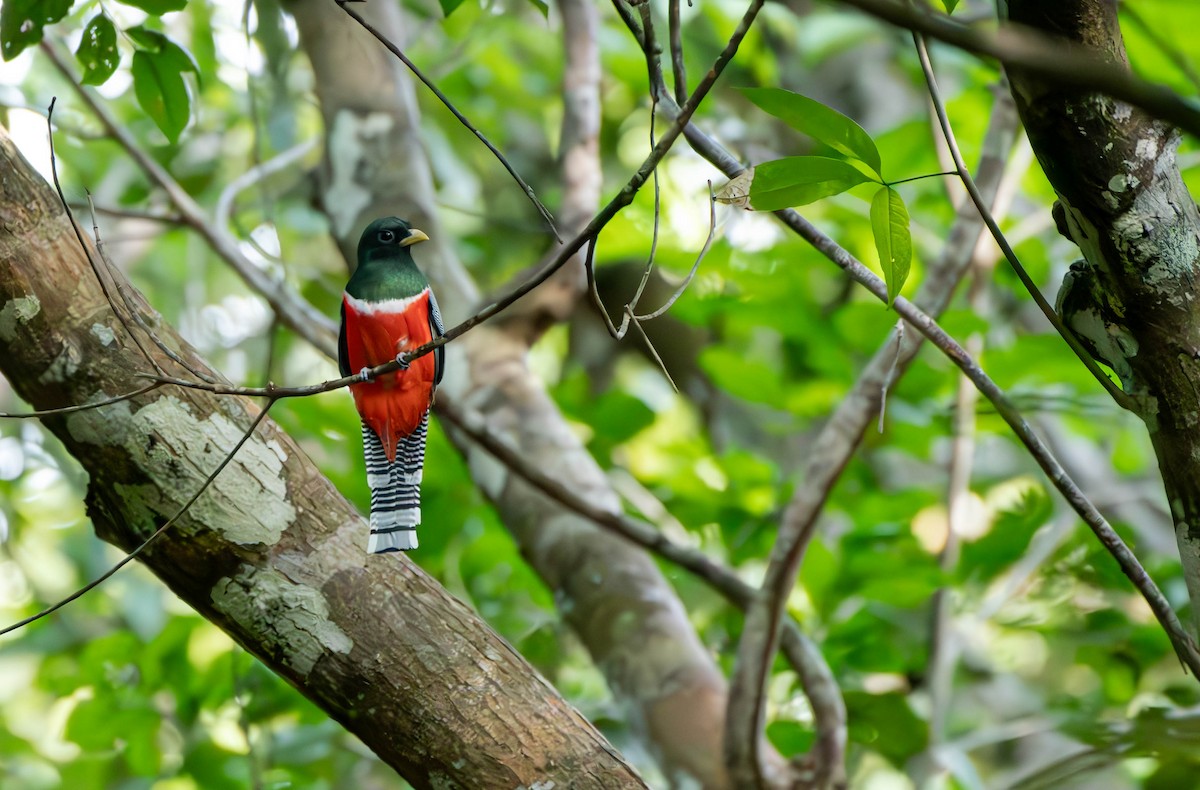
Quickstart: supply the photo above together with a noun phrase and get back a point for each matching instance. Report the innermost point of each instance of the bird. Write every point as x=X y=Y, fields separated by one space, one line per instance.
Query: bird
x=389 y=309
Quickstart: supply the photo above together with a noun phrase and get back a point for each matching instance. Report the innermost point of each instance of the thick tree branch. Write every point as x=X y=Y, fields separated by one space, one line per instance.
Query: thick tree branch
x=272 y=553
x=1122 y=200
x=1023 y=46
x=610 y=592
x=299 y=315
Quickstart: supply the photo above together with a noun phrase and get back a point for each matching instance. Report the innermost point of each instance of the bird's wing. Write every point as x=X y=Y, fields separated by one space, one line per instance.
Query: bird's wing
x=436 y=329
x=343 y=352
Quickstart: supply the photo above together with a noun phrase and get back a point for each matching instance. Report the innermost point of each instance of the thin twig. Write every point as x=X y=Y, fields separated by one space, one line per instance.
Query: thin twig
x=122 y=288
x=300 y=316
x=153 y=537
x=83 y=245
x=1057 y=61
x=1181 y=640
x=395 y=50
x=712 y=232
x=255 y=175
x=891 y=374
x=82 y=406
x=1119 y=395
x=804 y=656
x=675 y=35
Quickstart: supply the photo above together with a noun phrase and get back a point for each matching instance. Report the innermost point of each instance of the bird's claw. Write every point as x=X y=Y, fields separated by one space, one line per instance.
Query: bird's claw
x=402 y=360
x=364 y=374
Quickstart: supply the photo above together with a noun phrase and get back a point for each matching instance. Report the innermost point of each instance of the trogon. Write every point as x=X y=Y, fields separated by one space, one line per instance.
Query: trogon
x=388 y=309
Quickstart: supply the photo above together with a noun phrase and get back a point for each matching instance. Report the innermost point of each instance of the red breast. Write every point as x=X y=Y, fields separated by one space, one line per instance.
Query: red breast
x=376 y=332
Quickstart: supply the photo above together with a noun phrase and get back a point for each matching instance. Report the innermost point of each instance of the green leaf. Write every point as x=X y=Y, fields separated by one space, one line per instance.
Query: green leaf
x=157 y=7
x=448 y=6
x=543 y=6
x=21 y=22
x=949 y=5
x=97 y=51
x=790 y=738
x=161 y=44
x=819 y=122
x=161 y=90
x=887 y=724
x=889 y=223
x=799 y=180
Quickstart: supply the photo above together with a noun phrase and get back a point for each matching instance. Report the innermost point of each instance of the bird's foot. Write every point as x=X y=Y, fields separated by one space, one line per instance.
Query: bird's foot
x=402 y=360
x=364 y=374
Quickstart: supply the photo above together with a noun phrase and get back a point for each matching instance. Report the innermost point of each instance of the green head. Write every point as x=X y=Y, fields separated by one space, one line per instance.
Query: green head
x=386 y=269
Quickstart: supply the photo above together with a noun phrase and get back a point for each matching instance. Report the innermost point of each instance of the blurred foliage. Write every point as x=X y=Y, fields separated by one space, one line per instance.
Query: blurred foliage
x=1062 y=674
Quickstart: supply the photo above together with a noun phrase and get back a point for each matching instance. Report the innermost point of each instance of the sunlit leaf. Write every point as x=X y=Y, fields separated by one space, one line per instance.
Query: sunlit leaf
x=822 y=123
x=161 y=91
x=157 y=7
x=886 y=723
x=799 y=180
x=97 y=51
x=889 y=224
x=448 y=6
x=21 y=22
x=790 y=737
x=172 y=52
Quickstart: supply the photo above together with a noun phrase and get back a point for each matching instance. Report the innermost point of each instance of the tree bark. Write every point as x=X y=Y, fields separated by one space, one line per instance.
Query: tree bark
x=609 y=591
x=271 y=553
x=1122 y=200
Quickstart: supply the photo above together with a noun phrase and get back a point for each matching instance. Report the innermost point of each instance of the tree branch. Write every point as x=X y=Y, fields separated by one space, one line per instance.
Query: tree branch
x=299 y=315
x=1023 y=47
x=271 y=552
x=1123 y=201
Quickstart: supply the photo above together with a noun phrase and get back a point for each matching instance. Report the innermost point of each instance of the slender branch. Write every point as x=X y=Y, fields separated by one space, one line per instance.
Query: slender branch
x=82 y=591
x=1181 y=641
x=96 y=268
x=130 y=304
x=1119 y=395
x=1020 y=47
x=300 y=316
x=712 y=231
x=675 y=35
x=815 y=675
x=395 y=50
x=285 y=160
x=82 y=406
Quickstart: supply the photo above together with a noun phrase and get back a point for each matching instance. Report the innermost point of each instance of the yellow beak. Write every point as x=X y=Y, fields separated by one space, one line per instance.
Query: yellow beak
x=413 y=237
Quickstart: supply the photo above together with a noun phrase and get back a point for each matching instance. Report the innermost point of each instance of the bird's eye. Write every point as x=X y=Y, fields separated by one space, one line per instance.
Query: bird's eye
x=387 y=236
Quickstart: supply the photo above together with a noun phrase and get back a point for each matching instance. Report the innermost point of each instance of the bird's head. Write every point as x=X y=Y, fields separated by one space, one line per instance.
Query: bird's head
x=384 y=238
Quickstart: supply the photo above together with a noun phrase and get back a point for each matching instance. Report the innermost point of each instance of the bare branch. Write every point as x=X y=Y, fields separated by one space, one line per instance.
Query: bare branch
x=678 y=70
x=1121 y=397
x=83 y=406
x=1058 y=61
x=289 y=158
x=121 y=316
x=815 y=675
x=300 y=316
x=395 y=50
x=84 y=590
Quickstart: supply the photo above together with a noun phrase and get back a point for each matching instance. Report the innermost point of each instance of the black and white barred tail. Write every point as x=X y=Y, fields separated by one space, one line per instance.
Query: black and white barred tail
x=395 y=489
